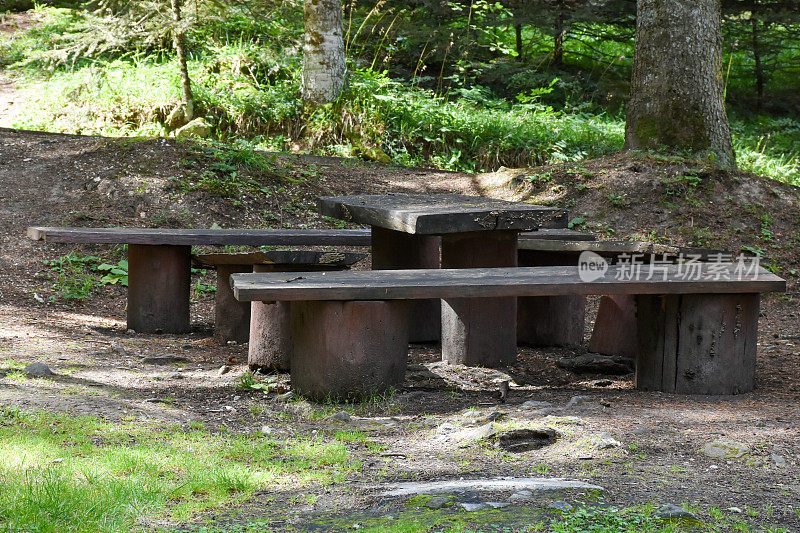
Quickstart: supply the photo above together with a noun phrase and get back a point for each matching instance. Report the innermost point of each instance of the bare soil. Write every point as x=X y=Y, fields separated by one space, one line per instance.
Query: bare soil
x=48 y=179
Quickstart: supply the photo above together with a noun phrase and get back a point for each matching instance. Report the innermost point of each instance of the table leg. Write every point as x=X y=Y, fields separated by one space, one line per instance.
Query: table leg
x=479 y=331
x=396 y=250
x=550 y=320
x=158 y=288
x=231 y=317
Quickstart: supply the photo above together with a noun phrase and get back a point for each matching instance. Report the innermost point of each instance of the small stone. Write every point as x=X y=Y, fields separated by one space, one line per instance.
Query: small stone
x=237 y=398
x=521 y=496
x=779 y=460
x=603 y=441
x=118 y=348
x=534 y=404
x=467 y=437
x=724 y=449
x=196 y=128
x=130 y=332
x=37 y=370
x=445 y=428
x=560 y=506
x=497 y=505
x=470 y=507
x=163 y=359
x=285 y=397
x=266 y=430
x=578 y=400
x=669 y=510
x=341 y=416
x=734 y=510
x=224 y=369
x=177 y=119
x=437 y=502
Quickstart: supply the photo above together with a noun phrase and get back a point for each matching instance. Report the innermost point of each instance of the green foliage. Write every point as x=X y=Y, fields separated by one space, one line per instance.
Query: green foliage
x=114 y=274
x=611 y=520
x=441 y=85
x=76 y=275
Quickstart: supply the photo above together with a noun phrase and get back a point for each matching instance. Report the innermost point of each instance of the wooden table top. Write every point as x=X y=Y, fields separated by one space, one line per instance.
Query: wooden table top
x=439 y=214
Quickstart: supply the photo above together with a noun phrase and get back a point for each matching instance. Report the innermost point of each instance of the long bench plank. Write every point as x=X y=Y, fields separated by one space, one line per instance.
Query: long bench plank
x=208 y=237
x=489 y=282
x=242 y=237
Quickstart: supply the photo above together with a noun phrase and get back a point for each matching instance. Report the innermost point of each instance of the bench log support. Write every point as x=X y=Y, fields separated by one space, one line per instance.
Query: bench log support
x=158 y=288
x=479 y=331
x=270 y=345
x=614 y=331
x=697 y=343
x=231 y=317
x=397 y=250
x=348 y=349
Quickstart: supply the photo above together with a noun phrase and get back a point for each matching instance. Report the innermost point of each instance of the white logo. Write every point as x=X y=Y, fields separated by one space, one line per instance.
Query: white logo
x=591 y=266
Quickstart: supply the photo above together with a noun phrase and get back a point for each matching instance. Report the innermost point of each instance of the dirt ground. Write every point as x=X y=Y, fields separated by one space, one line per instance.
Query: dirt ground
x=50 y=179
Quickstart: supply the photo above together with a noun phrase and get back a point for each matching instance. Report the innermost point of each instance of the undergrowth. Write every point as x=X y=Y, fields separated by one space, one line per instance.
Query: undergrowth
x=246 y=71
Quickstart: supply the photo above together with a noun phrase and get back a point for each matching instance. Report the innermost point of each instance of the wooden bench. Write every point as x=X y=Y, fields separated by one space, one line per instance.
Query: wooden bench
x=559 y=320
x=269 y=348
x=350 y=329
x=159 y=261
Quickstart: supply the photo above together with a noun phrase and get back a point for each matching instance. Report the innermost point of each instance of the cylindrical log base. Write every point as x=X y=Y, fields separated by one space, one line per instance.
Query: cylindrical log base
x=345 y=350
x=697 y=343
x=231 y=317
x=270 y=345
x=158 y=288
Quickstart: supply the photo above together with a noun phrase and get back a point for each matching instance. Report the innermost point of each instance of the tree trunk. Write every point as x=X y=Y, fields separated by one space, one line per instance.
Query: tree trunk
x=324 y=65
x=180 y=49
x=677 y=81
x=759 y=70
x=518 y=35
x=558 y=41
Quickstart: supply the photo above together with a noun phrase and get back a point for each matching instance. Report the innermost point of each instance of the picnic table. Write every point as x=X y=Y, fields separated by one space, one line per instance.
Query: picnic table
x=474 y=232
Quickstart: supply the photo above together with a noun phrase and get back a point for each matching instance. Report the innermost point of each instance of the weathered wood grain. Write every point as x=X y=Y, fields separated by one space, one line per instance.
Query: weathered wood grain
x=481 y=283
x=208 y=237
x=240 y=237
x=158 y=288
x=697 y=343
x=348 y=350
x=231 y=317
x=279 y=258
x=439 y=214
x=482 y=331
x=614 y=331
x=397 y=250
x=599 y=247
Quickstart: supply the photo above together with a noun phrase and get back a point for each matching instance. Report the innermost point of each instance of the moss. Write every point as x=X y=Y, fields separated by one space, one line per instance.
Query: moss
x=646 y=132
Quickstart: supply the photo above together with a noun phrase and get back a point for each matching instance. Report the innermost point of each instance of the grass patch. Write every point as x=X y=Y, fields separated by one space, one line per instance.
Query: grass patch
x=63 y=473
